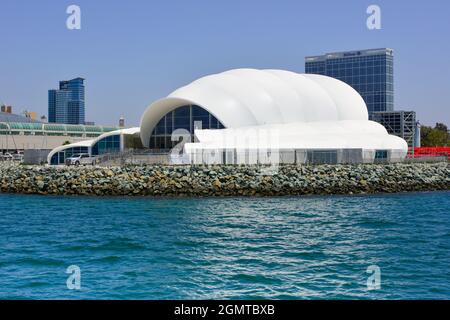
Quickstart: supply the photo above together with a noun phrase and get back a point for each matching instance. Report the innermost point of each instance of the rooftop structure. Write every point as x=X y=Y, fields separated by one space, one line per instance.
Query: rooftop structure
x=11 y=117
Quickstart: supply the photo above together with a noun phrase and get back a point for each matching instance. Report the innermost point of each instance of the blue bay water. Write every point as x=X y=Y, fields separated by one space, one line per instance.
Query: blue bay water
x=221 y=248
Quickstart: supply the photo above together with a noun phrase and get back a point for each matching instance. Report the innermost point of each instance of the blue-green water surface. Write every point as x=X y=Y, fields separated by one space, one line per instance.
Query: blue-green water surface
x=222 y=248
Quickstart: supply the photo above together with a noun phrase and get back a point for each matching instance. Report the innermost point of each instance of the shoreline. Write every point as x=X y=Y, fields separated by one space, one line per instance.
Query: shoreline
x=187 y=197
x=224 y=181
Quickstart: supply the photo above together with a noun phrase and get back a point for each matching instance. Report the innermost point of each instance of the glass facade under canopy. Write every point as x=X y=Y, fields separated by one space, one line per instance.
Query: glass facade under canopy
x=109 y=144
x=184 y=117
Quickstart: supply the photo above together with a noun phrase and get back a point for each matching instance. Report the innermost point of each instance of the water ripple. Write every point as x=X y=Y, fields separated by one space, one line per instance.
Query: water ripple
x=241 y=248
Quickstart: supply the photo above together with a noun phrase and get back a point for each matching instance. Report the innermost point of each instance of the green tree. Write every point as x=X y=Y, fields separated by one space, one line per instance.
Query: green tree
x=435 y=137
x=65 y=143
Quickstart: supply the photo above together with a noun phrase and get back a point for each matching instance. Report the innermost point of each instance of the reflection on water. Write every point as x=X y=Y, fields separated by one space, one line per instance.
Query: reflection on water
x=304 y=247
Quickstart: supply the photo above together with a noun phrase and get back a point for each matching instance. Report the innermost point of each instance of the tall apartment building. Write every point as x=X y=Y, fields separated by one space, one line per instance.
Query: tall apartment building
x=67 y=105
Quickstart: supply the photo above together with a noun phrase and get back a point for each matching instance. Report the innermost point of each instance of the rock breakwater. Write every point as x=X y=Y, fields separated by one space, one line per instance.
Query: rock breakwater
x=160 y=180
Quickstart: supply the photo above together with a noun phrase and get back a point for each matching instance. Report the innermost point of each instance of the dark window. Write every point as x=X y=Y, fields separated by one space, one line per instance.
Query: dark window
x=381 y=154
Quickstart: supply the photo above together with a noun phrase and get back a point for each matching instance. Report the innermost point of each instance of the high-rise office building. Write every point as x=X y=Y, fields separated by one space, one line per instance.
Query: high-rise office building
x=66 y=105
x=370 y=72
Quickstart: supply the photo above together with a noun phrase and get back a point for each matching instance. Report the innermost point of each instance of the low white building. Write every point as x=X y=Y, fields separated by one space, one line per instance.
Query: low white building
x=110 y=142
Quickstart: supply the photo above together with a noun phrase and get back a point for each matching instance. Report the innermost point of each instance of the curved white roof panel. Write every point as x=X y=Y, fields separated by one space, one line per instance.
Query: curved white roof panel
x=84 y=143
x=246 y=97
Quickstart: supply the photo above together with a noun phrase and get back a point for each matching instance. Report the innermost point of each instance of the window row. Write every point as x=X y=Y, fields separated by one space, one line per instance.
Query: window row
x=110 y=144
x=60 y=157
x=185 y=117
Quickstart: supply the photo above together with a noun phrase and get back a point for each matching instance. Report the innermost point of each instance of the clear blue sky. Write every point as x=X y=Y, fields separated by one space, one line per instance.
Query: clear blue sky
x=133 y=52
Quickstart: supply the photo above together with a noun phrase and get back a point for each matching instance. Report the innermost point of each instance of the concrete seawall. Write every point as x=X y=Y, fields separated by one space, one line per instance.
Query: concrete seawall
x=156 y=180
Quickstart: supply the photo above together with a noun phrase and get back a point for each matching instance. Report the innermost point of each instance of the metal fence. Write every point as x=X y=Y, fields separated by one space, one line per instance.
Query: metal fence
x=35 y=156
x=134 y=157
x=257 y=157
x=310 y=156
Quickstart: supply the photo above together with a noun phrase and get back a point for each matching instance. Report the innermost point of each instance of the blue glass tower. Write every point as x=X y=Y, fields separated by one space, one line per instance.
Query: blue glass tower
x=370 y=72
x=66 y=105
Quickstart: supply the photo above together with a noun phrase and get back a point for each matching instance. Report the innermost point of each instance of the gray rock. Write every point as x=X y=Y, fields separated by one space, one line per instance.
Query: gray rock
x=227 y=180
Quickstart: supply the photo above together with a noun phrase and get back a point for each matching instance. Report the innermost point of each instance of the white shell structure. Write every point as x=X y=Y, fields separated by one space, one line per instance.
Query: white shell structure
x=304 y=111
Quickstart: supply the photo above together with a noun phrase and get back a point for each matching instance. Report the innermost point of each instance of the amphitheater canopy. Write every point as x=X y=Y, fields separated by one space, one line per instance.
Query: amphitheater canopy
x=249 y=97
x=306 y=110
